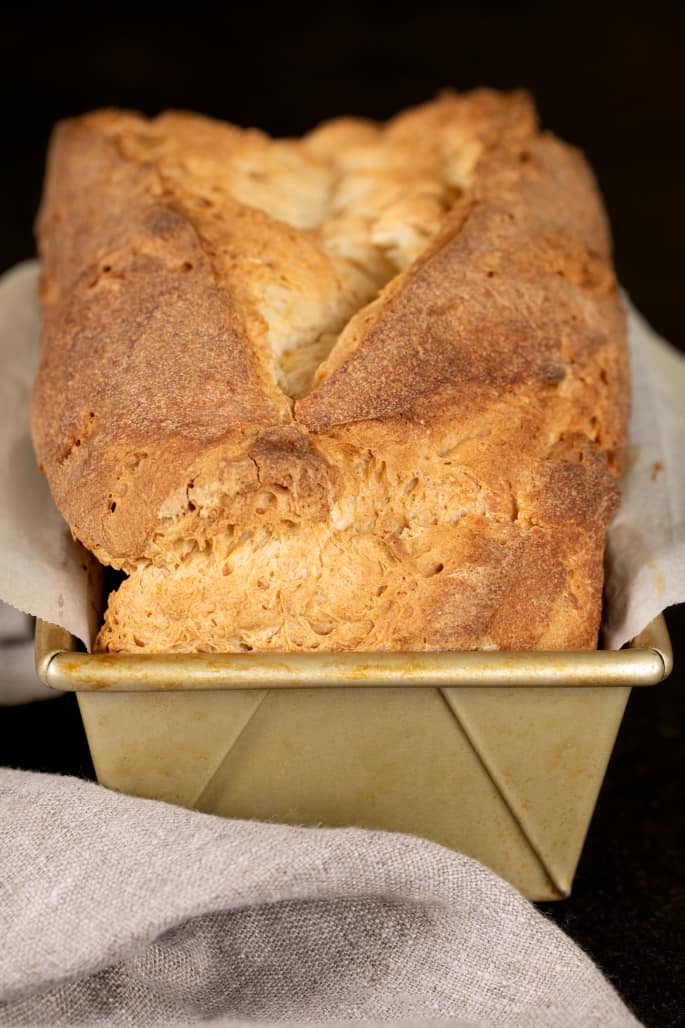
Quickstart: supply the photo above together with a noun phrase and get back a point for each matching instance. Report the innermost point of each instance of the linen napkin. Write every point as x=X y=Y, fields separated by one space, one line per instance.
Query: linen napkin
x=118 y=911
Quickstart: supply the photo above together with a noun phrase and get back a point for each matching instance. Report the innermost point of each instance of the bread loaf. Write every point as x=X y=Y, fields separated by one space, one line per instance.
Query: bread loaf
x=362 y=390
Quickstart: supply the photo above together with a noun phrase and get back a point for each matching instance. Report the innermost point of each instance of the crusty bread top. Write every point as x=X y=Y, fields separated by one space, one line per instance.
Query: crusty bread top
x=221 y=307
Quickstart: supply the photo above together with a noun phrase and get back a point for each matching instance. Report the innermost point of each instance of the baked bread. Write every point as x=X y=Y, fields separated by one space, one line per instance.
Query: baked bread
x=363 y=390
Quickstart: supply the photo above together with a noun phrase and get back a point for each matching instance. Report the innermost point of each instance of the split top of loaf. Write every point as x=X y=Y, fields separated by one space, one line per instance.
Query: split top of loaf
x=362 y=390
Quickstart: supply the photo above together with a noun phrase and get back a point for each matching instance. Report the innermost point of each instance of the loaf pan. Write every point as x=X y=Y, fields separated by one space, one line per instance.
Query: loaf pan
x=497 y=755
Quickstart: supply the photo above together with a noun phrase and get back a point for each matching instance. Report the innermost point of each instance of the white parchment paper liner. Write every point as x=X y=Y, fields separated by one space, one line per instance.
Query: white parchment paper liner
x=43 y=571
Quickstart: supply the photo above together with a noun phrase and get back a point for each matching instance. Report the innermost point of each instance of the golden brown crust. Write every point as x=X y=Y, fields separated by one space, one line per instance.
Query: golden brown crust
x=366 y=390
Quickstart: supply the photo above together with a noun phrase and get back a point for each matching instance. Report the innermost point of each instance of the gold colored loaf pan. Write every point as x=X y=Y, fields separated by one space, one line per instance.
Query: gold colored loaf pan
x=497 y=755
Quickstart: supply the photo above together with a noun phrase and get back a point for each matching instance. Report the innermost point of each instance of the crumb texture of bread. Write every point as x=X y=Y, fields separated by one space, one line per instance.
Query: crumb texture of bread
x=363 y=390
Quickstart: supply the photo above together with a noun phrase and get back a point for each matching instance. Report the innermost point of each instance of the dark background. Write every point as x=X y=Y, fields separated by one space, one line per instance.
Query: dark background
x=608 y=78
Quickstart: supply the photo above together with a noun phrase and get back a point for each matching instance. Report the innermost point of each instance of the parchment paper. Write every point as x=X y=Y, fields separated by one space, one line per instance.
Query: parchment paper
x=646 y=541
x=43 y=571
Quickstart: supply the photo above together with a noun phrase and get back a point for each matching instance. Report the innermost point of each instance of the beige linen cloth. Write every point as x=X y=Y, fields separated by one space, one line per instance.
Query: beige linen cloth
x=122 y=911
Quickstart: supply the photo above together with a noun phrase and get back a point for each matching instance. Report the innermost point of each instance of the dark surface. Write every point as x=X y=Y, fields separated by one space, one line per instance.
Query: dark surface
x=628 y=903
x=607 y=78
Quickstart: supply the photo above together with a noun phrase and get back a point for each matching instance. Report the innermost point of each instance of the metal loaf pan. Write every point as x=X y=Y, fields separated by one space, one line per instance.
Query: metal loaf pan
x=499 y=755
